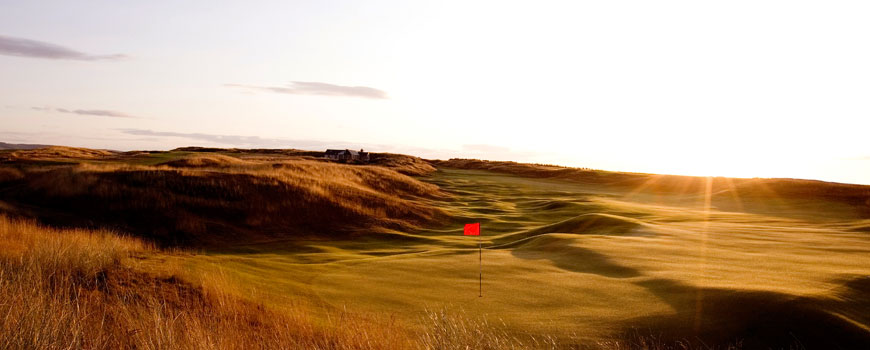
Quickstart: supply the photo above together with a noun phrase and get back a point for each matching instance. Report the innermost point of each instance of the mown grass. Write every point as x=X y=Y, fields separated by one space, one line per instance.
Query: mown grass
x=588 y=264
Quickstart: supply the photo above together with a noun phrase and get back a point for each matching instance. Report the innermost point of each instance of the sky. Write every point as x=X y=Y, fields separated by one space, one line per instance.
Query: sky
x=727 y=88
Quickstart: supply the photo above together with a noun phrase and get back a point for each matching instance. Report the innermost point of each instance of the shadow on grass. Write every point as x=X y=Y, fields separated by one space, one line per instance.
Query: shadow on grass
x=572 y=258
x=755 y=319
x=717 y=317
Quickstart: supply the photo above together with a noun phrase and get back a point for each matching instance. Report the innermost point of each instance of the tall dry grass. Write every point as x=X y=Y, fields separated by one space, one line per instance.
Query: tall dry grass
x=46 y=279
x=401 y=163
x=458 y=331
x=215 y=200
x=70 y=289
x=57 y=152
x=405 y=164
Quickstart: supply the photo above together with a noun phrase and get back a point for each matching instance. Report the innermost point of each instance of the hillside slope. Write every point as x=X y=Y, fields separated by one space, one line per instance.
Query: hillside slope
x=404 y=164
x=6 y=146
x=204 y=199
x=725 y=192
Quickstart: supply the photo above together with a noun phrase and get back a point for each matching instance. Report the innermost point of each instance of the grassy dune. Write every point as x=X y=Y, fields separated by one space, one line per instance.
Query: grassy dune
x=573 y=258
x=59 y=152
x=732 y=194
x=214 y=199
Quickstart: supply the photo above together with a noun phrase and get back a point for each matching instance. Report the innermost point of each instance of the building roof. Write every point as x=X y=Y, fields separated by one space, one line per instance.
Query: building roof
x=340 y=151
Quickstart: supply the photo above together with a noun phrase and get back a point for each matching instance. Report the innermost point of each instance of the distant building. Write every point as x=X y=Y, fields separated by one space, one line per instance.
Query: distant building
x=346 y=155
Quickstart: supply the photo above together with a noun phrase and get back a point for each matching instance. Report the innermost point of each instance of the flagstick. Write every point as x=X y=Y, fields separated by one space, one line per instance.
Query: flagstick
x=480 y=266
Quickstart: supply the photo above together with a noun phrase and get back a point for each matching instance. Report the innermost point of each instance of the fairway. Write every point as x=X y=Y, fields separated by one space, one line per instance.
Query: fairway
x=584 y=262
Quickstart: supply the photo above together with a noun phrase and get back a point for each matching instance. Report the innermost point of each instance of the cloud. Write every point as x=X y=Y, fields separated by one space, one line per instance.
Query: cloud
x=235 y=140
x=94 y=112
x=11 y=46
x=316 y=88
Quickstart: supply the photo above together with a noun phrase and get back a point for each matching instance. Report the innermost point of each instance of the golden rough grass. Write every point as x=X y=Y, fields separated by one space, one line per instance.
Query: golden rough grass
x=402 y=163
x=458 y=331
x=10 y=174
x=408 y=165
x=70 y=289
x=56 y=152
x=227 y=200
x=214 y=160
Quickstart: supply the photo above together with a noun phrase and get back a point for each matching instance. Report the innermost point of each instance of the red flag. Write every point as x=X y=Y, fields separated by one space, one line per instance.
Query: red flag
x=472 y=229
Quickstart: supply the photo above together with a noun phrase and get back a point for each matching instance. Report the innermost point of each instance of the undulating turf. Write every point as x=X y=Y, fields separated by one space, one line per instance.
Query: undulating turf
x=587 y=262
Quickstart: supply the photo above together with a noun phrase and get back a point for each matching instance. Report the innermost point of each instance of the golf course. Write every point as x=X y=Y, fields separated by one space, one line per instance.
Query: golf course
x=614 y=260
